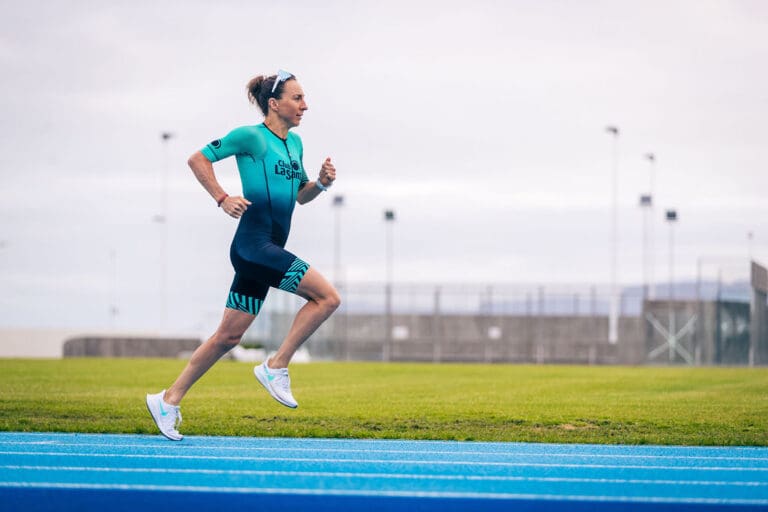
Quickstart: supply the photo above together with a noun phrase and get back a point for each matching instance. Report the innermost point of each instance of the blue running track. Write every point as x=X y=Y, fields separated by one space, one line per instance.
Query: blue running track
x=81 y=472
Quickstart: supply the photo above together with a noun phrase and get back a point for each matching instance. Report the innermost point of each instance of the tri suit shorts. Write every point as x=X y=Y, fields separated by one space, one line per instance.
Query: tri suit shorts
x=268 y=266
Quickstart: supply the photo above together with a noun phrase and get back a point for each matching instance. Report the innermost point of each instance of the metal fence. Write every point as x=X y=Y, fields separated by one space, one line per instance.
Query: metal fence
x=460 y=322
x=408 y=298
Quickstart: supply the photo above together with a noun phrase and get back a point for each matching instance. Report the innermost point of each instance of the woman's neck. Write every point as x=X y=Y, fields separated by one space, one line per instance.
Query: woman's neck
x=277 y=127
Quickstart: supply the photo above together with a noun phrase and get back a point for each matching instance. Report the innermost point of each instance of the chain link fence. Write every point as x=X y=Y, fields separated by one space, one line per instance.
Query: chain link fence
x=453 y=322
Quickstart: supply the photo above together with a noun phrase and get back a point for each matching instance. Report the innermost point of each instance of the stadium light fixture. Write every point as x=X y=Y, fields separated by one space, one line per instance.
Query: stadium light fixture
x=613 y=319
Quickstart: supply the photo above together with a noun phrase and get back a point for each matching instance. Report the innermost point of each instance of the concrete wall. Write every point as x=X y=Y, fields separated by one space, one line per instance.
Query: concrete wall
x=432 y=337
x=103 y=346
x=473 y=338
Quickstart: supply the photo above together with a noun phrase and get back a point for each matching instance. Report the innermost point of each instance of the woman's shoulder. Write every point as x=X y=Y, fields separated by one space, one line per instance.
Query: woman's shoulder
x=249 y=139
x=255 y=130
x=248 y=133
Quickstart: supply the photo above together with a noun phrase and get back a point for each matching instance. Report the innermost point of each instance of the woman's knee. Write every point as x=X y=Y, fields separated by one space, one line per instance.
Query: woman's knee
x=314 y=287
x=231 y=332
x=331 y=300
x=227 y=340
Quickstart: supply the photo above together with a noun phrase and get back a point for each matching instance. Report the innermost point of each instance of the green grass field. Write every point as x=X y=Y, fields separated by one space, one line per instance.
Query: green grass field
x=564 y=404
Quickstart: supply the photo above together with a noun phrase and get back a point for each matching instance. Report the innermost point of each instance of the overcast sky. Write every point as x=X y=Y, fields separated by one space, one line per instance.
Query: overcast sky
x=482 y=124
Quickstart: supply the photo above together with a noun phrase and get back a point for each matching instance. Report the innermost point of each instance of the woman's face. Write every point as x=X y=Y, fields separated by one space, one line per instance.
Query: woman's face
x=291 y=105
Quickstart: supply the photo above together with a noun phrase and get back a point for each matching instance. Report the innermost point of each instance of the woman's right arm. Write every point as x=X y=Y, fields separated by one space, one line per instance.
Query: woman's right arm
x=234 y=206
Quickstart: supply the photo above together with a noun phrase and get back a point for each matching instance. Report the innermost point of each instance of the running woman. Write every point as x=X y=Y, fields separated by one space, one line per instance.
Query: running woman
x=270 y=161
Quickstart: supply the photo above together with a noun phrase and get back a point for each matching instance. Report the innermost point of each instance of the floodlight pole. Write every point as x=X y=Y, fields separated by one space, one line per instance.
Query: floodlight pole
x=338 y=203
x=673 y=337
x=113 y=309
x=389 y=220
x=340 y=322
x=671 y=217
x=162 y=219
x=646 y=205
x=651 y=281
x=613 y=319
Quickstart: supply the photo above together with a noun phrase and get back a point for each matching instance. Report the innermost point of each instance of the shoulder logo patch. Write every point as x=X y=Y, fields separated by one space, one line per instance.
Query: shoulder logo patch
x=216 y=143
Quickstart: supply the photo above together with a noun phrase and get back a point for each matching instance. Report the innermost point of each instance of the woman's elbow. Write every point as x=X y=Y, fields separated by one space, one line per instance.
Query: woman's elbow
x=195 y=159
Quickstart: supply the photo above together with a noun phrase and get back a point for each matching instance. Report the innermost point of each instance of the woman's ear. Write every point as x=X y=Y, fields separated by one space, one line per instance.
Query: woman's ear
x=272 y=103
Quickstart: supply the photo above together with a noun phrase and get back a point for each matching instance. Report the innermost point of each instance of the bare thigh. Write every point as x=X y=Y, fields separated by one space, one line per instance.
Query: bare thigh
x=315 y=287
x=234 y=323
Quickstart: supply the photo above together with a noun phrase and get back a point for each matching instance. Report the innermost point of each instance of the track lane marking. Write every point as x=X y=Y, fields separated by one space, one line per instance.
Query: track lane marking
x=396 y=476
x=384 y=461
x=430 y=452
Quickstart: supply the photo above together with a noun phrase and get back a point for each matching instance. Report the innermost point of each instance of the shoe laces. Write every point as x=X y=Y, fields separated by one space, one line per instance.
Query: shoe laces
x=174 y=417
x=282 y=379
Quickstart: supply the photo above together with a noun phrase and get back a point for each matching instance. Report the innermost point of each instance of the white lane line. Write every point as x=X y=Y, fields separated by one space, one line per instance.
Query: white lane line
x=382 y=461
x=21 y=443
x=479 y=444
x=284 y=449
x=417 y=494
x=393 y=476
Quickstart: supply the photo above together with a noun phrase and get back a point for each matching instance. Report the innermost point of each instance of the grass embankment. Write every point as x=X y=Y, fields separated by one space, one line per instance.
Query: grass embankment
x=693 y=406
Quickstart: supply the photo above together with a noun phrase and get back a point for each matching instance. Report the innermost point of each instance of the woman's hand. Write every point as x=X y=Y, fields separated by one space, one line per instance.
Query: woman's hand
x=327 y=173
x=235 y=206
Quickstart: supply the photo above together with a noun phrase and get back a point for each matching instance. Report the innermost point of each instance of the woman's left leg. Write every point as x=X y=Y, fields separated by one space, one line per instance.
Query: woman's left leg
x=164 y=406
x=233 y=325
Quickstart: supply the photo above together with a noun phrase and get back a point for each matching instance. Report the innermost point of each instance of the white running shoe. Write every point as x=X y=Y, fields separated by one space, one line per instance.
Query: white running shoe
x=167 y=417
x=277 y=382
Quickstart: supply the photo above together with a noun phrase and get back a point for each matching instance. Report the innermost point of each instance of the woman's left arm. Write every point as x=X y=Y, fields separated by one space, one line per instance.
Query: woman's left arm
x=326 y=178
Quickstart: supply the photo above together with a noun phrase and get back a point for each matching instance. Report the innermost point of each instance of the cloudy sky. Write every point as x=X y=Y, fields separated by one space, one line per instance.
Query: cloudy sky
x=482 y=124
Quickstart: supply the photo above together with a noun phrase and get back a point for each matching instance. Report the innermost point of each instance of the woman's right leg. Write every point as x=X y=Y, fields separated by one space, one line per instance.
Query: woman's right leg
x=322 y=300
x=233 y=325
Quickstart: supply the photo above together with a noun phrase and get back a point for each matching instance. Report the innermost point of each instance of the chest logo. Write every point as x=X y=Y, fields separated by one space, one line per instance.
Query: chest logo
x=290 y=171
